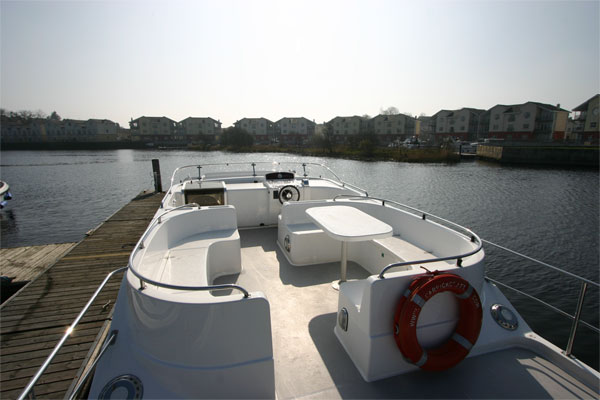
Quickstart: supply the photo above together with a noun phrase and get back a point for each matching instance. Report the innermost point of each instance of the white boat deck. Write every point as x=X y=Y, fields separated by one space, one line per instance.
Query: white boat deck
x=311 y=363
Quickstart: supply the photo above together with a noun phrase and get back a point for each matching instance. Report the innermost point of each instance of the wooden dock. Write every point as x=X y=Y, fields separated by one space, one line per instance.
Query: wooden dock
x=32 y=321
x=25 y=263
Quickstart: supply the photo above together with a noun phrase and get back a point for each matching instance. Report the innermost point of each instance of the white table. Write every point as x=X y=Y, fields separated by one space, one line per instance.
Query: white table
x=347 y=224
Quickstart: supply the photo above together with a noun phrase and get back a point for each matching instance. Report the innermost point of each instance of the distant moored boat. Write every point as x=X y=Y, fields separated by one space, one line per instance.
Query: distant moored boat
x=4 y=193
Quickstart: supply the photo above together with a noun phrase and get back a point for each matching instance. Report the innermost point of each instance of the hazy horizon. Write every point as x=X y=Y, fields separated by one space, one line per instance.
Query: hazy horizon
x=234 y=59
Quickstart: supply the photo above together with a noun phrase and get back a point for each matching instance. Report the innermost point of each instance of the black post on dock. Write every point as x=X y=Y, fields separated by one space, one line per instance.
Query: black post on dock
x=156 y=173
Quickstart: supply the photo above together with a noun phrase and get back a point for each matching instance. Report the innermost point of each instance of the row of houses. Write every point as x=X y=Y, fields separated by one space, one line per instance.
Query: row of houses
x=42 y=130
x=208 y=130
x=165 y=130
x=530 y=121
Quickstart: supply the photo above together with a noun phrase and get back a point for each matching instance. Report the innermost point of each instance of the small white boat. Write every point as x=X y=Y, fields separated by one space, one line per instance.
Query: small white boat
x=5 y=194
x=466 y=148
x=228 y=294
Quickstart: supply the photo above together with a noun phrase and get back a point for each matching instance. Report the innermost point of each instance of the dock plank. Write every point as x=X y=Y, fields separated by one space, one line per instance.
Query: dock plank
x=25 y=263
x=33 y=321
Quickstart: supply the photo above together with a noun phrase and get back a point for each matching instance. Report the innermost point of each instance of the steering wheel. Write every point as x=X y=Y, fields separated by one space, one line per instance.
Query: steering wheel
x=289 y=193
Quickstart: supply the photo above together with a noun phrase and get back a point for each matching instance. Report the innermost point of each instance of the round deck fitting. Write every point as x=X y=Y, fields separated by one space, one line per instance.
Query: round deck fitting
x=123 y=387
x=504 y=317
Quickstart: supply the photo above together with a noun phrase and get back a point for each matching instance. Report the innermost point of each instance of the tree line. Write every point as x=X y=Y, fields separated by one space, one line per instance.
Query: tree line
x=27 y=115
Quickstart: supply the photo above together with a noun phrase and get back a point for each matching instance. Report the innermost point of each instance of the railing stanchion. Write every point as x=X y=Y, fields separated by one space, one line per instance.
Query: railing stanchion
x=569 y=348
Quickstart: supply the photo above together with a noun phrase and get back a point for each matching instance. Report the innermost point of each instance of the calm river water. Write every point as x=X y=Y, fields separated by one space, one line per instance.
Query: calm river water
x=548 y=214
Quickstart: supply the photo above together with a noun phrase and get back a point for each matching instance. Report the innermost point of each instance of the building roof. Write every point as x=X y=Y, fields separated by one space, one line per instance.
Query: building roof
x=250 y=119
x=281 y=119
x=584 y=106
x=394 y=115
x=350 y=117
x=144 y=116
x=185 y=119
x=549 y=106
x=543 y=105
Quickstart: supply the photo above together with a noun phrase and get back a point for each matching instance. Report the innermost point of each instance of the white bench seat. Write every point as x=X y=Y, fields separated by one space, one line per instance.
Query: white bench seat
x=184 y=267
x=304 y=229
x=409 y=252
x=194 y=260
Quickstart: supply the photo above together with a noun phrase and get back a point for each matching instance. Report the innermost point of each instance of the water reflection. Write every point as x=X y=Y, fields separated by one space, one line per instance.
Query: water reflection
x=8 y=222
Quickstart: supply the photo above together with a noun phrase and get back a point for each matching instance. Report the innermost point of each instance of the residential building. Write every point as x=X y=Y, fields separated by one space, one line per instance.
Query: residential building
x=587 y=120
x=195 y=129
x=425 y=128
x=463 y=124
x=295 y=131
x=530 y=121
x=154 y=130
x=393 y=128
x=346 y=128
x=102 y=130
x=43 y=130
x=263 y=130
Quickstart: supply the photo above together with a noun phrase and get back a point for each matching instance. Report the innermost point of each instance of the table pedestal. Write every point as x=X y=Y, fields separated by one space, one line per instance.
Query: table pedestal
x=343 y=266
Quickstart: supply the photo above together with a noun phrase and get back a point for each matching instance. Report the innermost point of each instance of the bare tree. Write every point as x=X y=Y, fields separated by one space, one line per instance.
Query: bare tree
x=389 y=111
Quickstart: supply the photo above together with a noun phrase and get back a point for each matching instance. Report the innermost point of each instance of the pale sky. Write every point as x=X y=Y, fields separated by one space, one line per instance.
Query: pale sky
x=318 y=59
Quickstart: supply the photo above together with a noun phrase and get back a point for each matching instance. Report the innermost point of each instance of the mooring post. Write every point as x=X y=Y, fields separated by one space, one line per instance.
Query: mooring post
x=156 y=173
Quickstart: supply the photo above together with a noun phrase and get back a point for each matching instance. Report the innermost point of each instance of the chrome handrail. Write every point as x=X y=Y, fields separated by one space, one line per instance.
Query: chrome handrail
x=157 y=221
x=254 y=164
x=580 y=278
x=584 y=284
x=144 y=280
x=29 y=388
x=553 y=308
x=423 y=214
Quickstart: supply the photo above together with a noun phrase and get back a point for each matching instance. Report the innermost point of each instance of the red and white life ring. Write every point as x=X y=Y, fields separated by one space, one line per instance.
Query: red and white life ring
x=467 y=330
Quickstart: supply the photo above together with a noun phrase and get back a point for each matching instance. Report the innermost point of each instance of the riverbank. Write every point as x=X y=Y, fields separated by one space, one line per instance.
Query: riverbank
x=515 y=153
x=401 y=154
x=573 y=156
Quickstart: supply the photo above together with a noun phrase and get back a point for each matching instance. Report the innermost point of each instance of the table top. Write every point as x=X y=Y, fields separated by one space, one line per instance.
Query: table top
x=348 y=224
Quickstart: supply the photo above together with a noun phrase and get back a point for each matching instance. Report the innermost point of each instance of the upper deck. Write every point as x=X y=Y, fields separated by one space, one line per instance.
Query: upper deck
x=311 y=362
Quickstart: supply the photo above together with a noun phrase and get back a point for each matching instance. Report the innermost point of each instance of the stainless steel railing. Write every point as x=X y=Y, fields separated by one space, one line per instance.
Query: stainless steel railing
x=576 y=318
x=144 y=281
x=467 y=232
x=253 y=165
x=29 y=388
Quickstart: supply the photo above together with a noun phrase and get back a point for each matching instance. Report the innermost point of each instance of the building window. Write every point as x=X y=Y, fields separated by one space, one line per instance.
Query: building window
x=510 y=128
x=525 y=126
x=496 y=116
x=527 y=114
x=511 y=118
x=593 y=124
